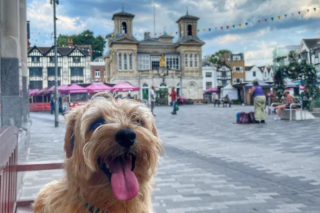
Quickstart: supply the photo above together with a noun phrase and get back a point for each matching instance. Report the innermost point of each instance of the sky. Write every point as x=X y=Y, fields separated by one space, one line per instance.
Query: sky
x=256 y=40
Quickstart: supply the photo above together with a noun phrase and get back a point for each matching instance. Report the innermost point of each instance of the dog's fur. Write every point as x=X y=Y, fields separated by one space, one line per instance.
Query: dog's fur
x=85 y=182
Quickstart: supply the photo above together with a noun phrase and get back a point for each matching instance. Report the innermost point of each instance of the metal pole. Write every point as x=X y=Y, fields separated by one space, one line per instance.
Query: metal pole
x=154 y=20
x=56 y=114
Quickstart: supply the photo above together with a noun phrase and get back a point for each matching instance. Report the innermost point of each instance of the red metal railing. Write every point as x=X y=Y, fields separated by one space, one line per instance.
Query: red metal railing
x=8 y=169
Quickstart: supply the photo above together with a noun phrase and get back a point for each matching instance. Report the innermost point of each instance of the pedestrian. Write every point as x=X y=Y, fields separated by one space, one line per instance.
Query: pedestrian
x=60 y=106
x=259 y=102
x=153 y=99
x=52 y=105
x=173 y=96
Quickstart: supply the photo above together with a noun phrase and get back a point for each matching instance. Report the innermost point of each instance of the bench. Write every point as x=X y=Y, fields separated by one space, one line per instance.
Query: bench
x=294 y=114
x=200 y=101
x=9 y=169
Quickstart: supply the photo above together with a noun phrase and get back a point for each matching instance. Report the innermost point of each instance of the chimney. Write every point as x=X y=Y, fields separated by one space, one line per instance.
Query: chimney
x=70 y=42
x=28 y=32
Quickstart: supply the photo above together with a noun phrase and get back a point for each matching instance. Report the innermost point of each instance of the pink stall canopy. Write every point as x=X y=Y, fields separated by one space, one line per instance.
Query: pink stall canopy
x=212 y=90
x=124 y=87
x=98 y=87
x=62 y=87
x=33 y=92
x=42 y=92
x=74 y=88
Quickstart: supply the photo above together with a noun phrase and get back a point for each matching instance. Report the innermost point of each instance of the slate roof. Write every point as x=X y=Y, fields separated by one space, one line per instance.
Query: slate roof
x=248 y=68
x=151 y=41
x=166 y=36
x=123 y=14
x=64 y=51
x=188 y=17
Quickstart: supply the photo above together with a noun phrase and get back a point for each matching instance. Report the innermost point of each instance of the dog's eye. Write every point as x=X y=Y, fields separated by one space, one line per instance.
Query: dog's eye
x=138 y=122
x=96 y=124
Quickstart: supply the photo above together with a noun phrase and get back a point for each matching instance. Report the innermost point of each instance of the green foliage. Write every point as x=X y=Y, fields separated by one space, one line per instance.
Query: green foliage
x=85 y=38
x=304 y=72
x=218 y=56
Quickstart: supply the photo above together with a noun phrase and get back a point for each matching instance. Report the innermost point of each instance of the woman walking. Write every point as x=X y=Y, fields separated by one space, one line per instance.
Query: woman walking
x=259 y=100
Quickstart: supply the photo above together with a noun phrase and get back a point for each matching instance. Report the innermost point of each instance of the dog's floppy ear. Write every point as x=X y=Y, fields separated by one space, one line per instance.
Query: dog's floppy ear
x=69 y=137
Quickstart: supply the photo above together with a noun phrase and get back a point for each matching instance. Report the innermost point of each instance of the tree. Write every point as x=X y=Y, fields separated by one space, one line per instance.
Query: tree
x=85 y=38
x=218 y=56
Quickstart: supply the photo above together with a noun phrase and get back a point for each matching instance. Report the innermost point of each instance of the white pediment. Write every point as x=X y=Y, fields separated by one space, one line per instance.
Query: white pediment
x=35 y=52
x=76 y=53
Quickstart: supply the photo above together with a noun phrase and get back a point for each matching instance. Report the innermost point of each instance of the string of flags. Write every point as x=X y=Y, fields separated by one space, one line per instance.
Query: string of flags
x=212 y=29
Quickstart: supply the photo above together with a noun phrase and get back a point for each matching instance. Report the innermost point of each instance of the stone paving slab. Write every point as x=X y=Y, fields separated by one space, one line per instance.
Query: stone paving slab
x=213 y=165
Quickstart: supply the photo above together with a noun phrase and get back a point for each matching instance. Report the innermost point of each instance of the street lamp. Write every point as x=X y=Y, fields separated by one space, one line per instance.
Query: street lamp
x=56 y=109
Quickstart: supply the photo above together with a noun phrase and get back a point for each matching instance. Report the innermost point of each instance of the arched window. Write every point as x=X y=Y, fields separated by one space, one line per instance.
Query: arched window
x=124 y=28
x=120 y=61
x=191 y=64
x=125 y=61
x=145 y=85
x=186 y=60
x=130 y=61
x=189 y=30
x=196 y=60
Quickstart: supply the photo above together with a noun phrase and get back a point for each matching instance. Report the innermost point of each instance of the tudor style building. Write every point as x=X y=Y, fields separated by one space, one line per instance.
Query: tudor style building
x=137 y=62
x=73 y=66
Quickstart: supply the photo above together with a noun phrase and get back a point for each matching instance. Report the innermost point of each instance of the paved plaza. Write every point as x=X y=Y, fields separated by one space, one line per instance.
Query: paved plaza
x=212 y=164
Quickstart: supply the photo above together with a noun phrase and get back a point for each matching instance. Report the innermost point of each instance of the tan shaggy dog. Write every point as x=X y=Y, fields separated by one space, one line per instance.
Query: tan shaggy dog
x=112 y=151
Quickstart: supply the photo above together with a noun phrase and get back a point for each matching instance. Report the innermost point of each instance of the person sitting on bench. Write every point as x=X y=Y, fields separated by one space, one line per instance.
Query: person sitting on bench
x=226 y=101
x=288 y=99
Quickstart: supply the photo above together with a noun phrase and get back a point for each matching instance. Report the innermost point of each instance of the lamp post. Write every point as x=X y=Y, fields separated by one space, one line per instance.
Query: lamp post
x=56 y=108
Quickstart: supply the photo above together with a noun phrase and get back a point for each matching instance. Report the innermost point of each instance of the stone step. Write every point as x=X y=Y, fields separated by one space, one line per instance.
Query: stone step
x=316 y=114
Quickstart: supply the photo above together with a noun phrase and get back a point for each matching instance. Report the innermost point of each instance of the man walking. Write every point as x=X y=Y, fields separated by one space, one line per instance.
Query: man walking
x=153 y=99
x=52 y=105
x=174 y=100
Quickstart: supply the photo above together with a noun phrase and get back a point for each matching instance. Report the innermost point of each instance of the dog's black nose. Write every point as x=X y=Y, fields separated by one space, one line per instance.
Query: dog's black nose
x=126 y=137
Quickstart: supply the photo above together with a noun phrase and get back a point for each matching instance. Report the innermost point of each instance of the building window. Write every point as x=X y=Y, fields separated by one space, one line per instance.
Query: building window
x=76 y=81
x=120 y=61
x=254 y=74
x=237 y=80
x=186 y=60
x=35 y=59
x=97 y=73
x=236 y=58
x=130 y=62
x=35 y=71
x=53 y=83
x=208 y=74
x=191 y=64
x=173 y=62
x=196 y=60
x=237 y=69
x=76 y=71
x=155 y=62
x=76 y=60
x=208 y=85
x=143 y=62
x=189 y=30
x=317 y=55
x=35 y=85
x=124 y=28
x=52 y=71
x=125 y=61
x=51 y=59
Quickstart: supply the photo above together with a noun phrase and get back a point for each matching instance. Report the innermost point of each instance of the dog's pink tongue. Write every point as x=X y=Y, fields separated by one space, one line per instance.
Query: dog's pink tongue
x=124 y=183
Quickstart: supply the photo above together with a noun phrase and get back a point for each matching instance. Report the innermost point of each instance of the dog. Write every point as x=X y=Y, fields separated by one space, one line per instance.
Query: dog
x=112 y=151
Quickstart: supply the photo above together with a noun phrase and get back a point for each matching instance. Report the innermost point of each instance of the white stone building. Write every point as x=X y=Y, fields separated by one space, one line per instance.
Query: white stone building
x=73 y=66
x=209 y=73
x=138 y=62
x=310 y=52
x=261 y=73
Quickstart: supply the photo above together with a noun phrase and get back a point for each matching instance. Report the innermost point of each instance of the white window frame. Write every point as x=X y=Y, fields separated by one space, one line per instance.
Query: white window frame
x=235 y=69
x=191 y=60
x=195 y=60
x=130 y=62
x=144 y=62
x=186 y=64
x=173 y=62
x=119 y=61
x=97 y=72
x=208 y=73
x=254 y=74
x=125 y=61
